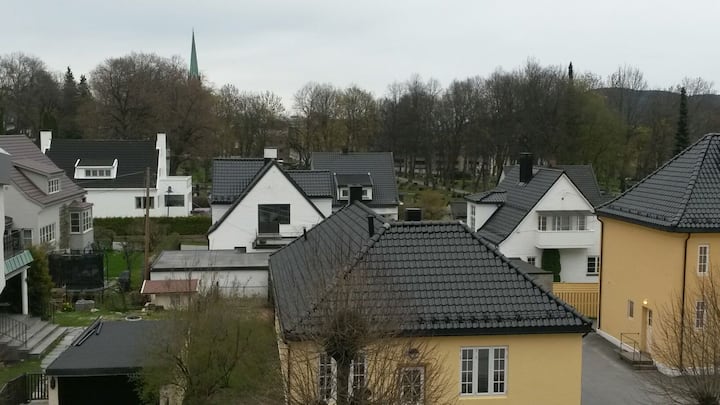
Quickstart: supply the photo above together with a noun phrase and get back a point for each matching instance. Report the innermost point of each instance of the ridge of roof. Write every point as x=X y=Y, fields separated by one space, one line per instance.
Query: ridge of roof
x=258 y=176
x=664 y=208
x=532 y=309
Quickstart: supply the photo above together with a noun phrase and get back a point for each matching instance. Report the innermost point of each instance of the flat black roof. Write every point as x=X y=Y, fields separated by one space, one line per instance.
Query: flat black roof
x=112 y=348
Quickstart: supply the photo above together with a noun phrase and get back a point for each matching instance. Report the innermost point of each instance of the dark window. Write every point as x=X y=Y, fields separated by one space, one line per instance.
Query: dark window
x=174 y=200
x=272 y=215
x=140 y=200
x=75 y=222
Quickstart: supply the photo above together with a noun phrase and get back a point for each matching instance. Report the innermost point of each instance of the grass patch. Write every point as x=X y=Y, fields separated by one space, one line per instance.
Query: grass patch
x=86 y=318
x=11 y=371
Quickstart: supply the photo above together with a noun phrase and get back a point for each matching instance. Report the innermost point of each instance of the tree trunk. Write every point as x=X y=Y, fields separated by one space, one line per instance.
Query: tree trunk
x=343 y=382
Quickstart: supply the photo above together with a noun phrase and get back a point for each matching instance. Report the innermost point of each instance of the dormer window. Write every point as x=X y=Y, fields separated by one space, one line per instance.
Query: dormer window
x=96 y=168
x=53 y=186
x=344 y=193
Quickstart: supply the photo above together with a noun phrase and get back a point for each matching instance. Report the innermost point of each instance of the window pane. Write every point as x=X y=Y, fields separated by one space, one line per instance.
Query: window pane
x=358 y=373
x=499 y=370
x=582 y=224
x=274 y=213
x=325 y=377
x=411 y=385
x=466 y=371
x=75 y=222
x=174 y=200
x=483 y=370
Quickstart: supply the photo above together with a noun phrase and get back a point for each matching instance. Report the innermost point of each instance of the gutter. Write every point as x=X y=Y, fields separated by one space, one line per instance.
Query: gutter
x=682 y=303
x=602 y=240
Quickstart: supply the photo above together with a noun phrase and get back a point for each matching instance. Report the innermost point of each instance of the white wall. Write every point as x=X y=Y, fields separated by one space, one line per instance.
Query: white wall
x=563 y=195
x=239 y=229
x=483 y=212
x=218 y=210
x=388 y=212
x=112 y=202
x=246 y=283
x=324 y=205
x=24 y=213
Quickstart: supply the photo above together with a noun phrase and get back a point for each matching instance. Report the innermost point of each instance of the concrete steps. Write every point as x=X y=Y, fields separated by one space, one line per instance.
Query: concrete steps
x=638 y=360
x=67 y=338
x=40 y=336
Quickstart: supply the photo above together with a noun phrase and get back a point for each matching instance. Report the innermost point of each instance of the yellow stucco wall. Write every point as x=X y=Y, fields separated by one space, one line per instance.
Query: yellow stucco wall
x=542 y=369
x=647 y=265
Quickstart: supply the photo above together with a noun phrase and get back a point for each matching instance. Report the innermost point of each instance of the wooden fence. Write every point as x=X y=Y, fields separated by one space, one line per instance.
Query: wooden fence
x=585 y=297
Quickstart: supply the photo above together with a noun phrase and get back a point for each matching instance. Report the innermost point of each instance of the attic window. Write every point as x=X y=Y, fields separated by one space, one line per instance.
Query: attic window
x=53 y=186
x=97 y=172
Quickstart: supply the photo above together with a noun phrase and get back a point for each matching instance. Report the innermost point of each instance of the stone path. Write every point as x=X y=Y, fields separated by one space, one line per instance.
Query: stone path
x=70 y=335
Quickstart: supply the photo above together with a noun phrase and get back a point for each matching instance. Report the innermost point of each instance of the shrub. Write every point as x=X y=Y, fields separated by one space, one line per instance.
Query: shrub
x=195 y=225
x=40 y=284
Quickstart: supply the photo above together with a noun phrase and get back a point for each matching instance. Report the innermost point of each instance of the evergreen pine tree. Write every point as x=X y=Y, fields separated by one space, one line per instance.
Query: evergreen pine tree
x=69 y=107
x=571 y=74
x=83 y=88
x=682 y=138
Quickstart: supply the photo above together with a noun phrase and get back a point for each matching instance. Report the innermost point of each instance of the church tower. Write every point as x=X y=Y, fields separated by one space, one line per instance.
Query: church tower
x=194 y=72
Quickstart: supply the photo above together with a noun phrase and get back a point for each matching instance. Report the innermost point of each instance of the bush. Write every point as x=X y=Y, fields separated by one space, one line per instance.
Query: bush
x=196 y=225
x=551 y=263
x=40 y=284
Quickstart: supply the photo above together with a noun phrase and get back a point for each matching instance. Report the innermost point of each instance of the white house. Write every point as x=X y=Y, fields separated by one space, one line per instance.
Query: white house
x=114 y=174
x=230 y=271
x=533 y=209
x=267 y=208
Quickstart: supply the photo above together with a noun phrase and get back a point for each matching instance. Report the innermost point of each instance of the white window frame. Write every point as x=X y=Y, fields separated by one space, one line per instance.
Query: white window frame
x=322 y=362
x=472 y=217
x=47 y=233
x=582 y=223
x=75 y=223
x=542 y=223
x=630 y=309
x=595 y=269
x=403 y=381
x=87 y=220
x=497 y=368
x=531 y=260
x=703 y=259
x=700 y=314
x=53 y=185
x=140 y=202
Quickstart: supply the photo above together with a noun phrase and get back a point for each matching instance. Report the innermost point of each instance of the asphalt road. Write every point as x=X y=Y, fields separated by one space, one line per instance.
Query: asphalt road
x=607 y=380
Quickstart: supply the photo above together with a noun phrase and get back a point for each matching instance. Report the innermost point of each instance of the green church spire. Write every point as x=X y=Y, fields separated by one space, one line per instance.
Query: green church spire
x=194 y=72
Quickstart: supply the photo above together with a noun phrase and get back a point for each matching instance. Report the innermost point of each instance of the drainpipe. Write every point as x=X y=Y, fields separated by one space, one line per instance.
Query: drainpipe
x=682 y=303
x=600 y=277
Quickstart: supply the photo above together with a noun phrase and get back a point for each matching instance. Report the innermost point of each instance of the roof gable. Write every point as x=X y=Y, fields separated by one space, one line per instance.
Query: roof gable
x=449 y=281
x=377 y=165
x=230 y=177
x=25 y=155
x=681 y=195
x=259 y=177
x=134 y=157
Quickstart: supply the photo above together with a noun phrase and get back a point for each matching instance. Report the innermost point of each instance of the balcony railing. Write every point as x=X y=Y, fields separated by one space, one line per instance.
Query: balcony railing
x=12 y=243
x=573 y=239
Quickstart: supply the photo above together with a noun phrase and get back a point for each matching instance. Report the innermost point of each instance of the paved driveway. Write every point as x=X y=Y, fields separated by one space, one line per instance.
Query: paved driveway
x=607 y=380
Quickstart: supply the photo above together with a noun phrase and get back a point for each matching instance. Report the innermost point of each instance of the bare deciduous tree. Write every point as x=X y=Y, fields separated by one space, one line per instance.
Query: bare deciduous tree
x=686 y=346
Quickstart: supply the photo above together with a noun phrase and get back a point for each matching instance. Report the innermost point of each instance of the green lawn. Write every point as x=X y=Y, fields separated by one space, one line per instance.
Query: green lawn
x=75 y=318
x=11 y=371
x=116 y=264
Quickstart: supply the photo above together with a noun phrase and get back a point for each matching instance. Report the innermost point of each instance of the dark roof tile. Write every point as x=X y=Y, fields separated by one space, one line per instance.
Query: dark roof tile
x=380 y=165
x=438 y=272
x=134 y=157
x=682 y=195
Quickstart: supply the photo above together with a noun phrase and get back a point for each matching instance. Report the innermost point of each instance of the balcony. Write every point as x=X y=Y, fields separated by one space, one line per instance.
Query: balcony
x=12 y=243
x=573 y=239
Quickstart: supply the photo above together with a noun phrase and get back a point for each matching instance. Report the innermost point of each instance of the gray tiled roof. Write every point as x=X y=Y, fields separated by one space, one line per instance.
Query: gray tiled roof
x=488 y=197
x=209 y=260
x=444 y=279
x=380 y=165
x=519 y=201
x=315 y=183
x=583 y=176
x=682 y=195
x=22 y=149
x=362 y=179
x=230 y=177
x=134 y=157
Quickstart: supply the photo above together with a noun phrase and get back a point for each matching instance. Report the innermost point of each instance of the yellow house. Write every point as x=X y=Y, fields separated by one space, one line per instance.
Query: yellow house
x=659 y=238
x=436 y=316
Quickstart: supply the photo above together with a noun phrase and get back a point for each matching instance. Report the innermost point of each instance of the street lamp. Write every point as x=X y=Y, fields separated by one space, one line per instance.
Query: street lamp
x=167 y=203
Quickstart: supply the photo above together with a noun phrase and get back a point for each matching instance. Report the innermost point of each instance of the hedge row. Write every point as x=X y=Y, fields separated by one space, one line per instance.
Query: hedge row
x=197 y=225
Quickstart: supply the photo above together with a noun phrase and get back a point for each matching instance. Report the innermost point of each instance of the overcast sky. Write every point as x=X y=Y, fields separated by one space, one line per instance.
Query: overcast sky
x=279 y=45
